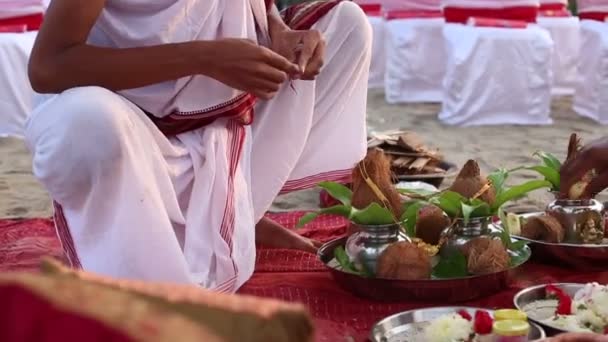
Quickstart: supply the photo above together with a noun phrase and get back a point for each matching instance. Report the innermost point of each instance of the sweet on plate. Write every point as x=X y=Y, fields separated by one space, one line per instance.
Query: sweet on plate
x=460 y=327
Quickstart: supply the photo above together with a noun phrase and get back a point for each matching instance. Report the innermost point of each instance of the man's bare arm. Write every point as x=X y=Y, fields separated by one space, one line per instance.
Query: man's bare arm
x=61 y=58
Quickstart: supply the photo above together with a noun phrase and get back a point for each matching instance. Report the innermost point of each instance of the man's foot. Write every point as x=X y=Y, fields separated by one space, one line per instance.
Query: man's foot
x=269 y=233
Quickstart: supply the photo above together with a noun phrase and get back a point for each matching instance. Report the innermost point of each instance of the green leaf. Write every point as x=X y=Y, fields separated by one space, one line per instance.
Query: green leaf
x=551 y=175
x=549 y=160
x=410 y=216
x=374 y=214
x=341 y=210
x=519 y=256
x=518 y=245
x=344 y=260
x=417 y=192
x=476 y=208
x=518 y=191
x=337 y=191
x=467 y=210
x=498 y=178
x=453 y=266
x=450 y=202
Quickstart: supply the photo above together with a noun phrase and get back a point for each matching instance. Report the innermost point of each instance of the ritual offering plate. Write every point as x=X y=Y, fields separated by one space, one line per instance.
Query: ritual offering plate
x=566 y=307
x=443 y=324
x=579 y=255
x=411 y=159
x=439 y=287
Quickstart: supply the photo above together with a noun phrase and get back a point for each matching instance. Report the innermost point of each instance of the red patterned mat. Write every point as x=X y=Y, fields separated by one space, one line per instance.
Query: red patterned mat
x=289 y=275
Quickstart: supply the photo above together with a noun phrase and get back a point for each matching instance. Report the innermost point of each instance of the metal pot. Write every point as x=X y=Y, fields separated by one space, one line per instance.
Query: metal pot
x=583 y=220
x=366 y=244
x=457 y=235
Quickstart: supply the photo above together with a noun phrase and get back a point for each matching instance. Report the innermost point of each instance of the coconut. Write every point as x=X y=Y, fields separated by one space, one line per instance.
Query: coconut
x=431 y=223
x=544 y=227
x=485 y=255
x=376 y=168
x=470 y=182
x=404 y=261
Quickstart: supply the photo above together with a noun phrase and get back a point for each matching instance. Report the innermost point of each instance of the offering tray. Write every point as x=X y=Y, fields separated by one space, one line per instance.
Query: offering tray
x=407 y=325
x=429 y=290
x=538 y=314
x=584 y=257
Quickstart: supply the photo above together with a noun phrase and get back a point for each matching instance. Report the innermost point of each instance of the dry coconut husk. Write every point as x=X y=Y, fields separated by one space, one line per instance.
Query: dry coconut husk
x=578 y=188
x=485 y=255
x=470 y=183
x=545 y=228
x=376 y=169
x=431 y=223
x=404 y=261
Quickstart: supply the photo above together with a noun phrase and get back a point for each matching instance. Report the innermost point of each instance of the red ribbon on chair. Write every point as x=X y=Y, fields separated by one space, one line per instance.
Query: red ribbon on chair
x=553 y=10
x=491 y=22
x=372 y=10
x=461 y=14
x=410 y=14
x=31 y=23
x=597 y=16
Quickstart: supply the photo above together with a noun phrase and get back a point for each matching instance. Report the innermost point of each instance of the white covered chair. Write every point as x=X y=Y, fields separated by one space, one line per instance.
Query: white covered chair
x=373 y=11
x=496 y=75
x=16 y=94
x=565 y=32
x=415 y=57
x=591 y=98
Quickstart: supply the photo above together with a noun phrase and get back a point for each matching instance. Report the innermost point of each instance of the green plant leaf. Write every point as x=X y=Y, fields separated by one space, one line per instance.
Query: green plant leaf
x=475 y=208
x=498 y=178
x=518 y=191
x=551 y=175
x=410 y=216
x=518 y=245
x=519 y=256
x=344 y=260
x=453 y=266
x=450 y=202
x=549 y=160
x=373 y=214
x=340 y=210
x=417 y=192
x=337 y=191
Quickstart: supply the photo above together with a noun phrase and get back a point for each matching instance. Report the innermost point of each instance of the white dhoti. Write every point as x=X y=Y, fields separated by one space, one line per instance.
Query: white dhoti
x=136 y=204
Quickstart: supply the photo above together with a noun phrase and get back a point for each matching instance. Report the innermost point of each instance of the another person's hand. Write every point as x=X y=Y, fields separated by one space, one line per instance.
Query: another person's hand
x=305 y=48
x=577 y=337
x=594 y=156
x=244 y=65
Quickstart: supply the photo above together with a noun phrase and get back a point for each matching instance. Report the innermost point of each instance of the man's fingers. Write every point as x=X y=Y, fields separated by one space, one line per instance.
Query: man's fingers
x=597 y=185
x=275 y=60
x=316 y=62
x=308 y=47
x=572 y=172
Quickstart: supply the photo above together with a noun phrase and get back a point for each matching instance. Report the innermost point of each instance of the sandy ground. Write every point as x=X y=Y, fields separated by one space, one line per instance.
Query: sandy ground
x=498 y=146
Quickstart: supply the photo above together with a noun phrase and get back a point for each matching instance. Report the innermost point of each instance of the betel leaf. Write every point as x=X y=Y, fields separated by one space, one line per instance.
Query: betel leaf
x=519 y=256
x=341 y=210
x=423 y=193
x=551 y=175
x=518 y=191
x=498 y=178
x=518 y=245
x=410 y=216
x=337 y=191
x=549 y=160
x=373 y=214
x=450 y=202
x=344 y=260
x=475 y=208
x=452 y=266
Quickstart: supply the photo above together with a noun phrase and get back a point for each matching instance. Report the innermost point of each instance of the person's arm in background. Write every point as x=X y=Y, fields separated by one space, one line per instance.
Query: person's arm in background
x=62 y=59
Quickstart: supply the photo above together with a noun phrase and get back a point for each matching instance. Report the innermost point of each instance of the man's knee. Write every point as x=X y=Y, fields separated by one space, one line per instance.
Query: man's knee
x=349 y=14
x=75 y=134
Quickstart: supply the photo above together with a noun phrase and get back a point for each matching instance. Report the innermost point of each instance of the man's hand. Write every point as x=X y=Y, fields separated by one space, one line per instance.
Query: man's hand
x=244 y=65
x=271 y=234
x=305 y=48
x=594 y=156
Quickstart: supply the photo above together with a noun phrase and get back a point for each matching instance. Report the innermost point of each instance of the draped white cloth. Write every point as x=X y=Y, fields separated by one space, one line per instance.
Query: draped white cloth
x=497 y=76
x=377 y=68
x=489 y=3
x=592 y=6
x=19 y=8
x=16 y=94
x=136 y=204
x=416 y=60
x=565 y=32
x=591 y=98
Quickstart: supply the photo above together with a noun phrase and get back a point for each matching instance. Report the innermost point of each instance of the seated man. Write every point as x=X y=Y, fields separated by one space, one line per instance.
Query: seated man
x=175 y=124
